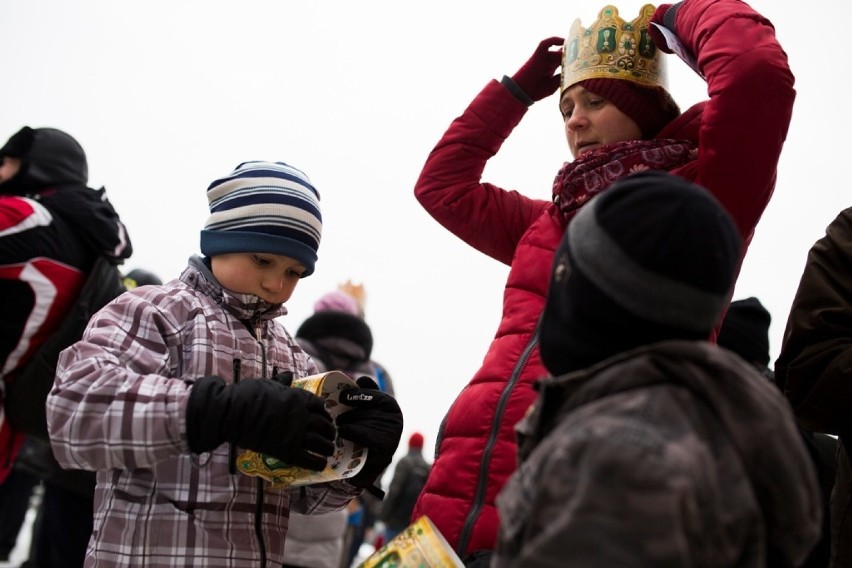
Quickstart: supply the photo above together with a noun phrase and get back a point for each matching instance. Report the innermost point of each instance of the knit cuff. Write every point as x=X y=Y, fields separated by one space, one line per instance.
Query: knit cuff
x=516 y=91
x=670 y=17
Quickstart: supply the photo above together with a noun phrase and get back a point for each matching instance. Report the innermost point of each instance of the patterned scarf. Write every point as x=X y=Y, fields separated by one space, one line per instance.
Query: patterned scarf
x=594 y=171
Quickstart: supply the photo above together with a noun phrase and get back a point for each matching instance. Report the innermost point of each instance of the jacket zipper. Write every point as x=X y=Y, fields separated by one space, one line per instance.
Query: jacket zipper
x=232 y=449
x=479 y=498
x=258 y=335
x=258 y=522
x=258 y=516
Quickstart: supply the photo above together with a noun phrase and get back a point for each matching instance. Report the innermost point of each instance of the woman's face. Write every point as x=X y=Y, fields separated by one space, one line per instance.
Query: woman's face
x=592 y=121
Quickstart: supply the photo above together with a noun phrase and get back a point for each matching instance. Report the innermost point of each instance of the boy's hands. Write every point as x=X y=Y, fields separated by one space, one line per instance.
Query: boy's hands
x=261 y=415
x=536 y=77
x=375 y=422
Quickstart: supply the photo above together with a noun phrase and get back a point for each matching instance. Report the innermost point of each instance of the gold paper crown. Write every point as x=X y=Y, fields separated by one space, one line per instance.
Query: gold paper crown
x=613 y=49
x=356 y=291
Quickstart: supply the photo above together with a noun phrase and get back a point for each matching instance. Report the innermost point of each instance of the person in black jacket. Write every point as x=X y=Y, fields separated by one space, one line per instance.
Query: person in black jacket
x=814 y=361
x=53 y=227
x=745 y=331
x=409 y=476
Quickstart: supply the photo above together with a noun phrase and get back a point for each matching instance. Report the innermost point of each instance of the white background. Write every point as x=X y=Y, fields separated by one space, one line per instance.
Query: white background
x=166 y=96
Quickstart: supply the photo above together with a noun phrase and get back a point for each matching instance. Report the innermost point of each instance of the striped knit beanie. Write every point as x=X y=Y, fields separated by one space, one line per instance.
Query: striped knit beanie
x=264 y=207
x=652 y=258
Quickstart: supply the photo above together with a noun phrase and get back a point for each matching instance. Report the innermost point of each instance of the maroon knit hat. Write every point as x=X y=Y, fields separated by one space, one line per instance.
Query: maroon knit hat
x=651 y=108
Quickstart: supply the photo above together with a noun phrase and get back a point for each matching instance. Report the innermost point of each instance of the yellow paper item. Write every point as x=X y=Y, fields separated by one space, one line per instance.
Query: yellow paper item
x=348 y=457
x=420 y=545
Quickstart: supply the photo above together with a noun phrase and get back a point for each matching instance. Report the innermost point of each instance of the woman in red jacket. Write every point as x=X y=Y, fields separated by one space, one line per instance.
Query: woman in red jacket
x=619 y=118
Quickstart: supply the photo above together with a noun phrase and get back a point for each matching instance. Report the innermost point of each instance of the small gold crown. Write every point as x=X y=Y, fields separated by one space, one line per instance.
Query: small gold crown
x=613 y=49
x=356 y=291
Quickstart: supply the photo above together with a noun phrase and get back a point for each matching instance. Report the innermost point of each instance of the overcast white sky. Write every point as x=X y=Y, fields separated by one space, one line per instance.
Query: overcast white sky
x=166 y=96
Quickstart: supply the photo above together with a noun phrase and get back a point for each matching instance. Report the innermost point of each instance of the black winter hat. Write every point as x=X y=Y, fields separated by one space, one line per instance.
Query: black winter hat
x=141 y=277
x=745 y=330
x=327 y=324
x=18 y=146
x=49 y=158
x=651 y=258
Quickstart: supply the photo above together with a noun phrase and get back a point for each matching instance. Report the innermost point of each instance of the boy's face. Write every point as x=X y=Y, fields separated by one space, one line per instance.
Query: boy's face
x=271 y=277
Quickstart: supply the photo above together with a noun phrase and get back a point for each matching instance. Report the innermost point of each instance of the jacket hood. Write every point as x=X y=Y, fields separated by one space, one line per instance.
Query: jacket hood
x=54 y=172
x=341 y=325
x=245 y=307
x=49 y=158
x=91 y=215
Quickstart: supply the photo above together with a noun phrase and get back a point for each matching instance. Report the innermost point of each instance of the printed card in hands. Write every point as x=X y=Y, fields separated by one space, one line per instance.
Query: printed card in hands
x=679 y=49
x=420 y=545
x=348 y=457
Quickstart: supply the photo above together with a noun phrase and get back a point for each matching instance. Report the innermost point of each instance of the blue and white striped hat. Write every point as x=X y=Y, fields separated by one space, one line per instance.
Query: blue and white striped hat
x=268 y=207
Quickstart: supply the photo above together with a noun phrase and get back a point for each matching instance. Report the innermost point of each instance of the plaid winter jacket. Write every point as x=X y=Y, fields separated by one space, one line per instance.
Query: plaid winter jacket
x=119 y=405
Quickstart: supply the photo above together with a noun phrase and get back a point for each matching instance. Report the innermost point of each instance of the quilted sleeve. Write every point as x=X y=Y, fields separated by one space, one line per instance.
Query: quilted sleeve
x=745 y=122
x=114 y=404
x=488 y=218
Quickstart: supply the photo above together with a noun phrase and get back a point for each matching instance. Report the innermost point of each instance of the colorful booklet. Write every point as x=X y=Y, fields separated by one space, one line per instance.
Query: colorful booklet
x=348 y=457
x=420 y=545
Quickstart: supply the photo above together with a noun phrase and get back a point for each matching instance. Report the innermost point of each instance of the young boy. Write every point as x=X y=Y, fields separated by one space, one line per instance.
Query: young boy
x=169 y=380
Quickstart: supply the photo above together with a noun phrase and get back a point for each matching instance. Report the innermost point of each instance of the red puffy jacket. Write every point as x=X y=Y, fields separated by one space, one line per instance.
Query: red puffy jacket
x=739 y=133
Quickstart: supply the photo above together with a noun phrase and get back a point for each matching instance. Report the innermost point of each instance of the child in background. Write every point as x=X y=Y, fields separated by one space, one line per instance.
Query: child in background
x=169 y=380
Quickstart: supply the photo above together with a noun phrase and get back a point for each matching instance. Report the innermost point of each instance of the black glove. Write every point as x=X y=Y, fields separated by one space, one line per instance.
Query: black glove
x=261 y=415
x=478 y=559
x=284 y=377
x=375 y=422
x=536 y=77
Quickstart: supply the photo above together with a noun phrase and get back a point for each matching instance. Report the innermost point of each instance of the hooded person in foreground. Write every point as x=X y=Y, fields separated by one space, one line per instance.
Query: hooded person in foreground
x=649 y=445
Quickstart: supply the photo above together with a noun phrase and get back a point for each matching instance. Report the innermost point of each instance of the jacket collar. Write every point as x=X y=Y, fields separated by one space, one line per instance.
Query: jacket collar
x=245 y=307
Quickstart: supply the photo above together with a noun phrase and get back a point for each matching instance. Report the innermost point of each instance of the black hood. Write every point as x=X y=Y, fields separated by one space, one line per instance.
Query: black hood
x=54 y=172
x=49 y=158
x=325 y=326
x=92 y=216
